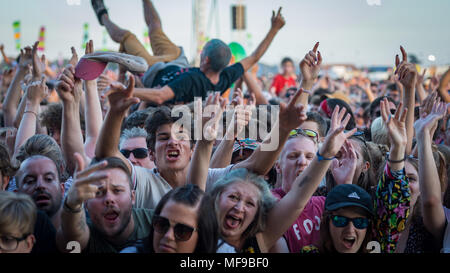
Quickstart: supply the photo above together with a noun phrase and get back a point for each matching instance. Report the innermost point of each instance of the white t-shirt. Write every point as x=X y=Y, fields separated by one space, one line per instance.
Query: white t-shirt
x=446 y=242
x=150 y=186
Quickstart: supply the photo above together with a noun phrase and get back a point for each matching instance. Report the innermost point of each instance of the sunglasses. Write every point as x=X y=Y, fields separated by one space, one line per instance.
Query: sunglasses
x=305 y=132
x=342 y=221
x=182 y=232
x=138 y=153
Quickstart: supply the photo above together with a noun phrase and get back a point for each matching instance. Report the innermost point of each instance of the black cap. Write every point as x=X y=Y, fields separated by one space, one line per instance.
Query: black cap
x=348 y=195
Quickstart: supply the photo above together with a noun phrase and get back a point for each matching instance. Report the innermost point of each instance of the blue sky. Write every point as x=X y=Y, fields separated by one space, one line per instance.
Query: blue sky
x=349 y=31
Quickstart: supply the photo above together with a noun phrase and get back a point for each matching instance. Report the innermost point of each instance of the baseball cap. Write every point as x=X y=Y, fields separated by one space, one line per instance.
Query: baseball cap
x=348 y=195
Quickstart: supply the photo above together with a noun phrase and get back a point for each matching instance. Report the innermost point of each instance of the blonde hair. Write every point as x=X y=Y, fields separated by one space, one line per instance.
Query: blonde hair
x=17 y=213
x=379 y=132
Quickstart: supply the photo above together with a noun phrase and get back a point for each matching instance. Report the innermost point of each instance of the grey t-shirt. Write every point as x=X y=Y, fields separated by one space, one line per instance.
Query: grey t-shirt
x=99 y=244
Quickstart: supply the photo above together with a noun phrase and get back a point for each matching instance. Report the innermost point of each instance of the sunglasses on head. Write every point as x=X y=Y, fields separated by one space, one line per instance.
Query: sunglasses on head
x=138 y=153
x=182 y=232
x=342 y=221
x=305 y=132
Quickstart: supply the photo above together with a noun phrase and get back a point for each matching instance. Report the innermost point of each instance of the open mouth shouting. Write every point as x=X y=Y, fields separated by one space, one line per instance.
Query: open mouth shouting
x=349 y=241
x=111 y=217
x=172 y=155
x=232 y=221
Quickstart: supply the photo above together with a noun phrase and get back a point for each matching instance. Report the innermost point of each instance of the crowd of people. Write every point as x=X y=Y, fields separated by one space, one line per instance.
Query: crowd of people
x=102 y=164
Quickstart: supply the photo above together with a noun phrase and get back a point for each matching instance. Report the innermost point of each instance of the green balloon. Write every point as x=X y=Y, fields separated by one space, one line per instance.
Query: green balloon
x=238 y=51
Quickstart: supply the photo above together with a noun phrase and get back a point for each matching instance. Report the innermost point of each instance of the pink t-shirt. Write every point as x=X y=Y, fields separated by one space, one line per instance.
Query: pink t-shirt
x=305 y=230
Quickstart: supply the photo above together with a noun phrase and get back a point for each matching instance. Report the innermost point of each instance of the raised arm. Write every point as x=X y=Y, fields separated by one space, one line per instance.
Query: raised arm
x=92 y=111
x=421 y=94
x=36 y=92
x=284 y=213
x=73 y=217
x=70 y=91
x=277 y=23
x=393 y=195
x=198 y=168
x=14 y=91
x=407 y=75
x=5 y=58
x=430 y=189
x=120 y=99
x=290 y=117
x=309 y=71
x=241 y=116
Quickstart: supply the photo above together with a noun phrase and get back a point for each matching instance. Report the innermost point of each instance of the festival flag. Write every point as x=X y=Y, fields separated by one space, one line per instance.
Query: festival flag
x=16 y=28
x=41 y=39
x=146 y=40
x=105 y=41
x=85 y=35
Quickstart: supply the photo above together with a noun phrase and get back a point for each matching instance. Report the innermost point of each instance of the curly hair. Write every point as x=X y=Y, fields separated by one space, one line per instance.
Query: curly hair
x=6 y=167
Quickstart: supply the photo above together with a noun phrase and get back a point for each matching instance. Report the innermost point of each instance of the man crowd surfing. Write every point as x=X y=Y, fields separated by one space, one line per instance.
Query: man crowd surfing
x=213 y=159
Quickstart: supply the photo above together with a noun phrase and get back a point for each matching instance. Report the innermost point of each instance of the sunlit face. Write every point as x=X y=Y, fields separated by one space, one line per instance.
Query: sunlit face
x=238 y=205
x=4 y=181
x=297 y=154
x=111 y=209
x=411 y=173
x=133 y=143
x=347 y=239
x=176 y=213
x=172 y=151
x=38 y=177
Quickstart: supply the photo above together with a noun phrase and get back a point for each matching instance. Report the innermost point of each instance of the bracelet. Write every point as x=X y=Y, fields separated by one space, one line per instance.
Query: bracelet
x=69 y=209
x=394 y=161
x=320 y=158
x=28 y=111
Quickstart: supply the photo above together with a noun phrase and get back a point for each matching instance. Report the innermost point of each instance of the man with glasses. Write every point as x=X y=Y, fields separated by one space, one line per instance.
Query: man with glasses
x=133 y=146
x=105 y=191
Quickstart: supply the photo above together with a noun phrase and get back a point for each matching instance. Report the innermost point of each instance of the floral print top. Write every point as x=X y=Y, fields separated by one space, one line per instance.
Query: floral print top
x=391 y=206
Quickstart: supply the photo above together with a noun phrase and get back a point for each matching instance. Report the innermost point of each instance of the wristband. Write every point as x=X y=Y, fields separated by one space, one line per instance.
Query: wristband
x=31 y=113
x=320 y=158
x=394 y=161
x=69 y=209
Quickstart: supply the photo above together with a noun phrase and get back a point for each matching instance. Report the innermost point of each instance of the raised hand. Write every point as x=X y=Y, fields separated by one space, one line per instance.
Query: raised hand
x=344 y=167
x=85 y=186
x=26 y=57
x=336 y=135
x=277 y=20
x=310 y=67
x=396 y=124
x=421 y=77
x=215 y=105
x=242 y=113
x=89 y=47
x=74 y=59
x=38 y=63
x=291 y=116
x=428 y=121
x=120 y=97
x=37 y=91
x=68 y=87
x=407 y=72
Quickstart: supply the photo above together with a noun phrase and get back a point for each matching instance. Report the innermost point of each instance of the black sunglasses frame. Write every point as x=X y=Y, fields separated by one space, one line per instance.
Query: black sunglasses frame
x=136 y=152
x=176 y=228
